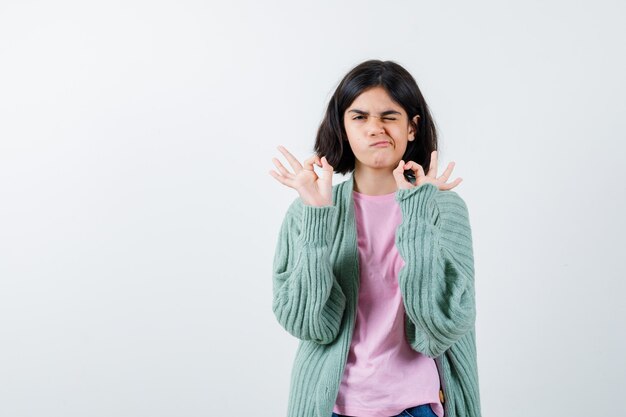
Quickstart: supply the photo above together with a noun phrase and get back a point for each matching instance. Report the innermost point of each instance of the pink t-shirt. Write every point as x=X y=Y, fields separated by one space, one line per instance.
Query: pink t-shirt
x=383 y=374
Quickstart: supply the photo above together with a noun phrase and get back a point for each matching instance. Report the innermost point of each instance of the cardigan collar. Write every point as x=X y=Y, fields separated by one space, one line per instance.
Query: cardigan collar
x=347 y=187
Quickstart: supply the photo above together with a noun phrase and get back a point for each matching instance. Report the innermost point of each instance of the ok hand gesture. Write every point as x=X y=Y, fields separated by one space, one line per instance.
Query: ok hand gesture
x=421 y=178
x=313 y=189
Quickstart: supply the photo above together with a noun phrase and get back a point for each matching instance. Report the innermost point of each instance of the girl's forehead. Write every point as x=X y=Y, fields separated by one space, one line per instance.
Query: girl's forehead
x=376 y=98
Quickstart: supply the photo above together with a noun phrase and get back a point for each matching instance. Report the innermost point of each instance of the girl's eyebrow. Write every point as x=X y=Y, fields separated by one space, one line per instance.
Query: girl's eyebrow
x=386 y=112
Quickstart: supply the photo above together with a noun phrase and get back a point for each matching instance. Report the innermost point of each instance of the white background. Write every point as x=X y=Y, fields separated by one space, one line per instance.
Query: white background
x=138 y=219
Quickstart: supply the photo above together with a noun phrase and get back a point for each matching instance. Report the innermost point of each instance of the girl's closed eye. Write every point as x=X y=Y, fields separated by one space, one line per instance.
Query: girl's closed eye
x=384 y=118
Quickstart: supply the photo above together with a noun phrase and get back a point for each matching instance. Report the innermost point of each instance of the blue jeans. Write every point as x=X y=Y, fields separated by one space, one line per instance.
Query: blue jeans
x=423 y=410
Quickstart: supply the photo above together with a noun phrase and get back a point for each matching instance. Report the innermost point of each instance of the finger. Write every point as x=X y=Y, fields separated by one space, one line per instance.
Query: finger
x=327 y=170
x=281 y=168
x=295 y=164
x=308 y=163
x=451 y=185
x=420 y=171
x=325 y=165
x=415 y=167
x=398 y=175
x=432 y=169
x=446 y=174
x=398 y=170
x=281 y=179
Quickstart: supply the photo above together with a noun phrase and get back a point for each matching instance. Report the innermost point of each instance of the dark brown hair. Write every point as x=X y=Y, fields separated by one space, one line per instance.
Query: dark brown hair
x=332 y=140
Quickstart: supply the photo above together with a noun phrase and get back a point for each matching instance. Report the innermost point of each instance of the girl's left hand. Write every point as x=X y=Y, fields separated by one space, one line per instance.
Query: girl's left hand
x=421 y=178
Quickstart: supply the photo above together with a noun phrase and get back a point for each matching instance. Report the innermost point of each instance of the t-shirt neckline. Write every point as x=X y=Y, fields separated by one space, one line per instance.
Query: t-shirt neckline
x=380 y=197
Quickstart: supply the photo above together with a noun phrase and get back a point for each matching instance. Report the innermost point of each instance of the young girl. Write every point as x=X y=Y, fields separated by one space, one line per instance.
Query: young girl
x=375 y=275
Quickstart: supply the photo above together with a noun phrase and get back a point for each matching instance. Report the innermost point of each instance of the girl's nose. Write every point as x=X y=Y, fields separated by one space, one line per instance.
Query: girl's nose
x=376 y=127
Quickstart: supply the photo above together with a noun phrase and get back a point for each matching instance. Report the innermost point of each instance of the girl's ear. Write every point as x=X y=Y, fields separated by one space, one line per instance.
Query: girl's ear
x=412 y=127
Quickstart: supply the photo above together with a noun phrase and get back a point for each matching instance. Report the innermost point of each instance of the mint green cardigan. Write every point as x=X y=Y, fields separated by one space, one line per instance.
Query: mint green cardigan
x=316 y=283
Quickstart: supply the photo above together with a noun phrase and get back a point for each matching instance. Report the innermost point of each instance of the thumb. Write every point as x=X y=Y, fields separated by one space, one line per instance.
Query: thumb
x=398 y=174
x=325 y=164
x=327 y=169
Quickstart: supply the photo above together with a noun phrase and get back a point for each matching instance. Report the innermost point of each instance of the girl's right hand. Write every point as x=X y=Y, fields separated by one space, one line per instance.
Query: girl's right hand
x=313 y=189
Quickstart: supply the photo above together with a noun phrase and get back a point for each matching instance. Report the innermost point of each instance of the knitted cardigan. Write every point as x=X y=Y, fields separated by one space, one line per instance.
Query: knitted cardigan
x=316 y=283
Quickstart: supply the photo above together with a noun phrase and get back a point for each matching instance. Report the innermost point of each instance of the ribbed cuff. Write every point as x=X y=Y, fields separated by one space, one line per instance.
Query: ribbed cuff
x=417 y=201
x=316 y=223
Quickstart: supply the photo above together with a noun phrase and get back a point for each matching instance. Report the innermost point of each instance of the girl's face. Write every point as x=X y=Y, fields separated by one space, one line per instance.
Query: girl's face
x=373 y=117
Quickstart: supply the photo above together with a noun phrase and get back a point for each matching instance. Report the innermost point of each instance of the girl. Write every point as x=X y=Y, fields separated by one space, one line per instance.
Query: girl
x=375 y=275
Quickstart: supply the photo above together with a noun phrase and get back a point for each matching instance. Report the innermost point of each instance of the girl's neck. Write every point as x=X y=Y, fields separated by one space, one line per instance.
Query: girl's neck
x=374 y=181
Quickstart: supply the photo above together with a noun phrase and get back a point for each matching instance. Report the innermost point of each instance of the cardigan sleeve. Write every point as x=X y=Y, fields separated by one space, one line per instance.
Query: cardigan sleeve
x=437 y=280
x=307 y=299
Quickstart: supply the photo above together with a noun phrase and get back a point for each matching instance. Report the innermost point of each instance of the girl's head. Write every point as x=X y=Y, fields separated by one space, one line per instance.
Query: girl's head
x=376 y=101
